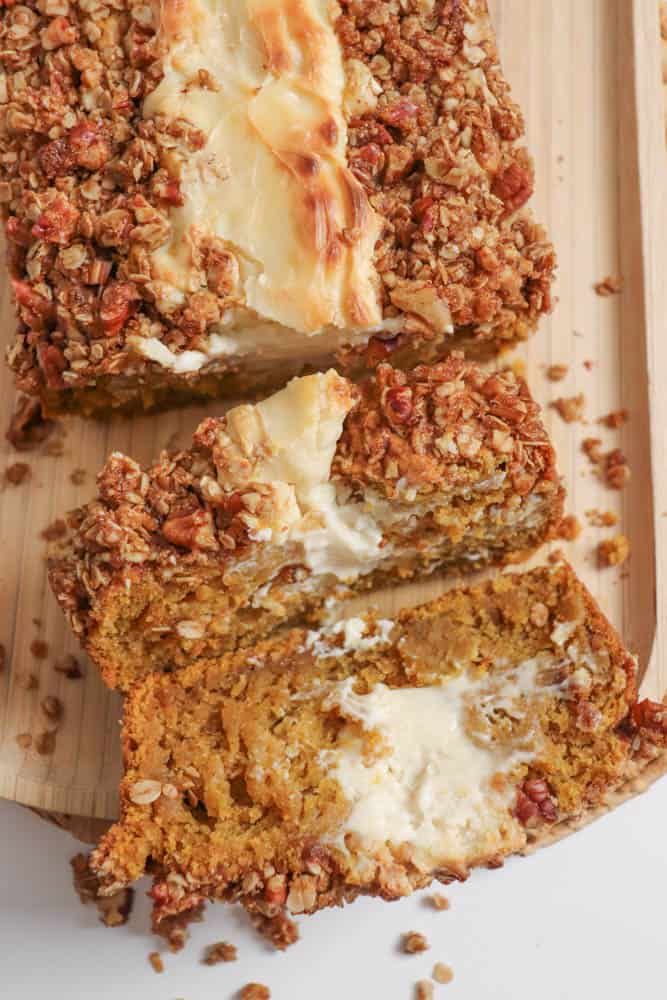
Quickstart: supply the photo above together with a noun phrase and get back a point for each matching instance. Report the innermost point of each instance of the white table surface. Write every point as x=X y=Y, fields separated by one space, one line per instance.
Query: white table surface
x=582 y=919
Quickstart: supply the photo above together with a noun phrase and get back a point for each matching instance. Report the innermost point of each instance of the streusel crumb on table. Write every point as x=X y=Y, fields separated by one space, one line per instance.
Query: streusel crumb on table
x=173 y=238
x=324 y=488
x=375 y=756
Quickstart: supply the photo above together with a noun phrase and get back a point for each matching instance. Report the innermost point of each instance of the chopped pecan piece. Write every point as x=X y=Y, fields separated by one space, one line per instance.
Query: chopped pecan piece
x=192 y=531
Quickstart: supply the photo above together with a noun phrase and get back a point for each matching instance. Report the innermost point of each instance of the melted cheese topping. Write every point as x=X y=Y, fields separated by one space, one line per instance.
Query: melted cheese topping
x=431 y=785
x=271 y=180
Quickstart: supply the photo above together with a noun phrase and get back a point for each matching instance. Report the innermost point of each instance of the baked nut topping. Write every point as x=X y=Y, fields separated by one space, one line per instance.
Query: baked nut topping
x=389 y=187
x=306 y=495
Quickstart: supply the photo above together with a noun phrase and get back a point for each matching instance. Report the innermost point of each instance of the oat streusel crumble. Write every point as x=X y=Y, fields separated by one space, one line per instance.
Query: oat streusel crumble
x=317 y=766
x=169 y=242
x=323 y=488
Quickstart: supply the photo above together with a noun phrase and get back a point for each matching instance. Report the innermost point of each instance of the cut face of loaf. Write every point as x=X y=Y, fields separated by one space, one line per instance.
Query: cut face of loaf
x=208 y=196
x=322 y=489
x=374 y=756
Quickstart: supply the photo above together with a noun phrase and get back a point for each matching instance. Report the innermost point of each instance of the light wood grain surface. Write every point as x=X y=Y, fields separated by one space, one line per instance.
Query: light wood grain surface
x=587 y=73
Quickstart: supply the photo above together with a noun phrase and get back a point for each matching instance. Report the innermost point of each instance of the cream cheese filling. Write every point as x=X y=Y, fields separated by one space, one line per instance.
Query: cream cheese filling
x=431 y=785
x=288 y=442
x=264 y=82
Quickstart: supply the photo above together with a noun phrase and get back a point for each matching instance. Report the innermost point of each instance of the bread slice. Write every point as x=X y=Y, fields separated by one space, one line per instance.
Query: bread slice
x=206 y=199
x=321 y=489
x=374 y=756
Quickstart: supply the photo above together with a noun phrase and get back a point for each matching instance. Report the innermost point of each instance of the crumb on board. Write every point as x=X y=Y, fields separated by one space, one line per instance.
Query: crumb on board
x=69 y=666
x=255 y=991
x=57 y=529
x=570 y=408
x=608 y=286
x=52 y=707
x=156 y=961
x=592 y=449
x=439 y=901
x=612 y=465
x=588 y=364
x=413 y=942
x=28 y=428
x=45 y=742
x=615 y=419
x=556 y=556
x=24 y=740
x=424 y=990
x=29 y=681
x=17 y=473
x=616 y=469
x=601 y=518
x=569 y=528
x=613 y=551
x=39 y=649
x=77 y=476
x=556 y=373
x=221 y=951
x=442 y=973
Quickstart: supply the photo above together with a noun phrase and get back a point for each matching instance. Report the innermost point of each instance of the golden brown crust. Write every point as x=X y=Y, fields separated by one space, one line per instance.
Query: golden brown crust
x=148 y=576
x=200 y=756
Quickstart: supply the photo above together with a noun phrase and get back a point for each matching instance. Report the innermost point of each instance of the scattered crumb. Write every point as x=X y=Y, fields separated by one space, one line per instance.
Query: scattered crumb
x=172 y=445
x=39 y=649
x=114 y=910
x=156 y=961
x=608 y=286
x=438 y=901
x=556 y=373
x=28 y=428
x=569 y=528
x=615 y=419
x=221 y=951
x=255 y=991
x=58 y=529
x=174 y=928
x=280 y=930
x=77 y=476
x=592 y=448
x=69 y=666
x=29 y=682
x=24 y=740
x=424 y=990
x=3 y=657
x=570 y=408
x=17 y=473
x=37 y=622
x=613 y=466
x=602 y=518
x=613 y=551
x=442 y=973
x=556 y=556
x=588 y=364
x=45 y=742
x=413 y=942
x=616 y=469
x=52 y=707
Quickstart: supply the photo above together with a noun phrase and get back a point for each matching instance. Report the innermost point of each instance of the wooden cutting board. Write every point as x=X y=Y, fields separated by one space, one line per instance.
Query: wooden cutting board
x=587 y=73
